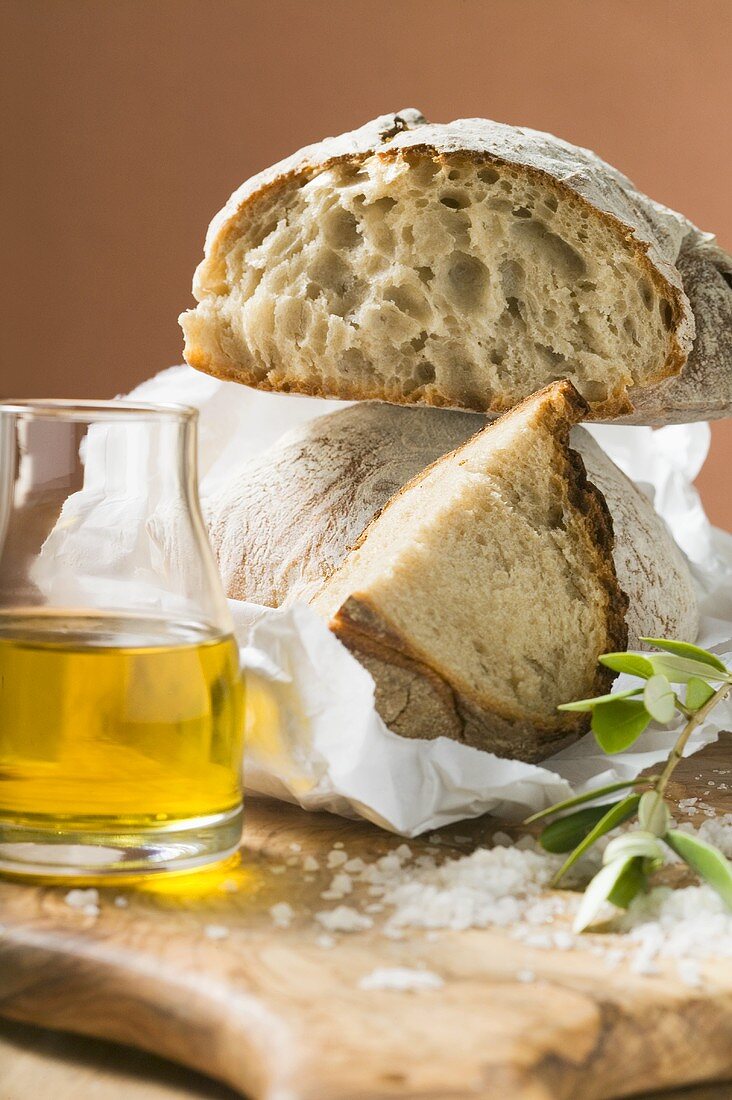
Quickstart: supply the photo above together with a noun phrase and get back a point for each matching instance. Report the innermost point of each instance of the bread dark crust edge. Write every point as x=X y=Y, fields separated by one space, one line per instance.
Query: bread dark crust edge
x=225 y=368
x=479 y=720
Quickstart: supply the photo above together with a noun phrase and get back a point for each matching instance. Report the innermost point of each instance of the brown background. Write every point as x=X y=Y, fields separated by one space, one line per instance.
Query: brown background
x=125 y=125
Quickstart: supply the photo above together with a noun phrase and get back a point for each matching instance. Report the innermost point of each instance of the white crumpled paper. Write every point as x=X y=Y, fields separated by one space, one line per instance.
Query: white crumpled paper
x=321 y=743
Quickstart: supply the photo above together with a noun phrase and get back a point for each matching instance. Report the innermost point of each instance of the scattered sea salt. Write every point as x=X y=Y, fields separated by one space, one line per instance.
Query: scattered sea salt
x=121 y=902
x=507 y=886
x=492 y=886
x=401 y=979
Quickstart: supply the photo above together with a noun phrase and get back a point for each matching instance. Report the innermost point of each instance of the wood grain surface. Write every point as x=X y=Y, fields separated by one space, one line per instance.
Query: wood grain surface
x=277 y=1017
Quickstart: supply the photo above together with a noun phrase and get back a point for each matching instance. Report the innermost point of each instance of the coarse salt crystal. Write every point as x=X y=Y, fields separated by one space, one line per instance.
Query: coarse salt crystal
x=343 y=919
x=401 y=979
x=310 y=864
x=121 y=902
x=282 y=914
x=389 y=863
x=342 y=883
x=688 y=970
x=525 y=976
x=643 y=964
x=336 y=859
x=325 y=941
x=354 y=866
x=216 y=931
x=392 y=933
x=85 y=901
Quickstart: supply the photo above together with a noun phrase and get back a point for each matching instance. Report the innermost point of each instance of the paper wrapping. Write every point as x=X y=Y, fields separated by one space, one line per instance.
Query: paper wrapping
x=315 y=737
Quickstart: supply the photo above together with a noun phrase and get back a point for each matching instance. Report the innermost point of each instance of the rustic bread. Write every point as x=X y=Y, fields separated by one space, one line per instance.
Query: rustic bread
x=282 y=522
x=461 y=265
x=482 y=594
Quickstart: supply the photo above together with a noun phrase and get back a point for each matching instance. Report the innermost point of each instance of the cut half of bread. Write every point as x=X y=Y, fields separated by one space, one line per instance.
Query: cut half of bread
x=463 y=265
x=483 y=594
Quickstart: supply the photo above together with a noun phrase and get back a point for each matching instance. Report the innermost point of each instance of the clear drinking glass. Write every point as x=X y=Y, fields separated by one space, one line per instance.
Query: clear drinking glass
x=120 y=692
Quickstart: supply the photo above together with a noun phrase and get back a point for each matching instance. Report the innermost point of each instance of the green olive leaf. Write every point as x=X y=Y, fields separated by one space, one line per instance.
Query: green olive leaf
x=617 y=724
x=607 y=883
x=614 y=815
x=590 y=704
x=705 y=859
x=679 y=670
x=698 y=692
x=631 y=663
x=686 y=649
x=637 y=842
x=653 y=815
x=567 y=832
x=659 y=699
x=588 y=796
x=629 y=884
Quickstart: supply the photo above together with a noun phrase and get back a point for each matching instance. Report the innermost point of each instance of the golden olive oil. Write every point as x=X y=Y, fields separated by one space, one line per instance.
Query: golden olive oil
x=117 y=722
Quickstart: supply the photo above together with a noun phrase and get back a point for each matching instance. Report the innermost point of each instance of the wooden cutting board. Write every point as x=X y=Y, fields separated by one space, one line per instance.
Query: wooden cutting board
x=279 y=1017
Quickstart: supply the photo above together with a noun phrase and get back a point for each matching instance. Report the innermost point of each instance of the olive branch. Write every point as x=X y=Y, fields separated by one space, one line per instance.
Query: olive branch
x=618 y=720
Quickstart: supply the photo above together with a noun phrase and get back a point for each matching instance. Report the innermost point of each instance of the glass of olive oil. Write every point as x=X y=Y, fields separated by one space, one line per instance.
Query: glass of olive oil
x=121 y=709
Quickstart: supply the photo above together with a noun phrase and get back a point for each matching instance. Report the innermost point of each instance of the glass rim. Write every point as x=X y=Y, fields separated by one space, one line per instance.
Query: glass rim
x=83 y=410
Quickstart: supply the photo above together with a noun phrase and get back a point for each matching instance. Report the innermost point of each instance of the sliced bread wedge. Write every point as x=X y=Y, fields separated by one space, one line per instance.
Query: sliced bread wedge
x=483 y=594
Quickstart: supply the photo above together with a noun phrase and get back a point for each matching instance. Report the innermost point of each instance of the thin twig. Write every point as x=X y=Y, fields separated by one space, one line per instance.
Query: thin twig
x=677 y=752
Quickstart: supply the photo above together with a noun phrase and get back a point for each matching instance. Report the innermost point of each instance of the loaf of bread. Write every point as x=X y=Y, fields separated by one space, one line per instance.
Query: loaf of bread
x=479 y=597
x=463 y=265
